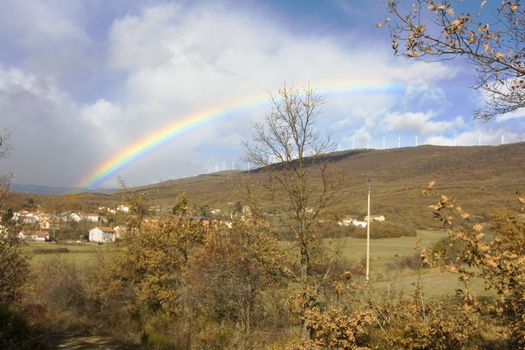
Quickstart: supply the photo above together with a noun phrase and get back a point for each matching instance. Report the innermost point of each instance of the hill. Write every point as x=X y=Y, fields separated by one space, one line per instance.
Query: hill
x=480 y=178
x=54 y=190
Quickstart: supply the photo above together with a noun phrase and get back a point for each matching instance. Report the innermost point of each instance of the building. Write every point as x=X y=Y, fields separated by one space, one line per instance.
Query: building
x=41 y=236
x=348 y=220
x=102 y=235
x=359 y=223
x=70 y=217
x=91 y=217
x=375 y=218
x=123 y=208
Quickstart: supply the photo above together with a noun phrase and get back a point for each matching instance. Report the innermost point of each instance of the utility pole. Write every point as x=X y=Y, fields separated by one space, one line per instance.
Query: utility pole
x=416 y=141
x=368 y=235
x=398 y=142
x=353 y=142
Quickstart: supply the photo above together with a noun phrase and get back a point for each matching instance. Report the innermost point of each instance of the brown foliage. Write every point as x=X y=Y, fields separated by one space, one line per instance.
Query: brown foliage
x=499 y=261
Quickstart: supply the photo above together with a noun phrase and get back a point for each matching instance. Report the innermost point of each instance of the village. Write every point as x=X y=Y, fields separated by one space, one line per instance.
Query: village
x=106 y=225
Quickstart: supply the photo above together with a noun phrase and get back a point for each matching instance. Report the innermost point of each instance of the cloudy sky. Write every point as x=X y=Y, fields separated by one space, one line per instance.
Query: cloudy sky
x=80 y=81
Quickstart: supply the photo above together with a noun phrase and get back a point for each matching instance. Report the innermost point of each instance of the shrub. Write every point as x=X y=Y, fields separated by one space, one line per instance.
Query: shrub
x=413 y=261
x=14 y=270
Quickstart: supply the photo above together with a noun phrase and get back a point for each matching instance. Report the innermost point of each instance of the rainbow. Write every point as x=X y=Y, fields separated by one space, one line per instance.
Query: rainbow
x=150 y=142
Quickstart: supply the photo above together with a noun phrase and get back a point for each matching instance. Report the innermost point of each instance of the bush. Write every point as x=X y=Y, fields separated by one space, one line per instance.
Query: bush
x=14 y=270
x=413 y=261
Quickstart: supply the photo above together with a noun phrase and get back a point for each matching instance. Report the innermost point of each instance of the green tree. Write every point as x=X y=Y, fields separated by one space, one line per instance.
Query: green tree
x=490 y=38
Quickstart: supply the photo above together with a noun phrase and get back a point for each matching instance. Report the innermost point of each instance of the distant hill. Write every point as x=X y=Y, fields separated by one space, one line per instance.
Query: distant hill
x=480 y=178
x=54 y=190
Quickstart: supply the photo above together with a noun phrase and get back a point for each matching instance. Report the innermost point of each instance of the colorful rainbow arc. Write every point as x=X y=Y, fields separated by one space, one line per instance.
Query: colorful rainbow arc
x=150 y=142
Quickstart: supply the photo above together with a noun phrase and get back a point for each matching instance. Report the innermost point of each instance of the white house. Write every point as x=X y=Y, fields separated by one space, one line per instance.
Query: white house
x=91 y=217
x=70 y=216
x=41 y=236
x=348 y=220
x=375 y=218
x=345 y=222
x=359 y=223
x=102 y=235
x=123 y=208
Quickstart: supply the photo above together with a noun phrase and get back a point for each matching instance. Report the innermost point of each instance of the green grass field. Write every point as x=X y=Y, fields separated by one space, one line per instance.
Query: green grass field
x=436 y=283
x=82 y=254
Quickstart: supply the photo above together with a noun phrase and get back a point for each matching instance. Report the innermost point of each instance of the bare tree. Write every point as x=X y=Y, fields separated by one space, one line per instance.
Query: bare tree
x=288 y=148
x=491 y=39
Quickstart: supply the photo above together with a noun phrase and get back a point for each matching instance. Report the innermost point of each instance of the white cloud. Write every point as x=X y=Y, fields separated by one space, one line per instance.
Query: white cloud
x=481 y=136
x=177 y=61
x=48 y=140
x=517 y=114
x=102 y=114
x=419 y=123
x=40 y=24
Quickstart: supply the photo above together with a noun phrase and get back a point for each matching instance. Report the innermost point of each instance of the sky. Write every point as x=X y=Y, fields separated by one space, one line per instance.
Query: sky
x=83 y=81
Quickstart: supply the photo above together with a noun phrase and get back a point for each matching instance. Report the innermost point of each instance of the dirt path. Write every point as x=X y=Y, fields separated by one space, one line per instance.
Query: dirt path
x=88 y=342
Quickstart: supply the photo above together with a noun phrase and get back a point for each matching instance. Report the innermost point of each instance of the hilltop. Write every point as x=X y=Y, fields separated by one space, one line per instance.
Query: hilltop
x=480 y=178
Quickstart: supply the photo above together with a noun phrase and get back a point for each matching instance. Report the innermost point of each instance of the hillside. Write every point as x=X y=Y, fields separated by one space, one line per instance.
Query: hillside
x=481 y=178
